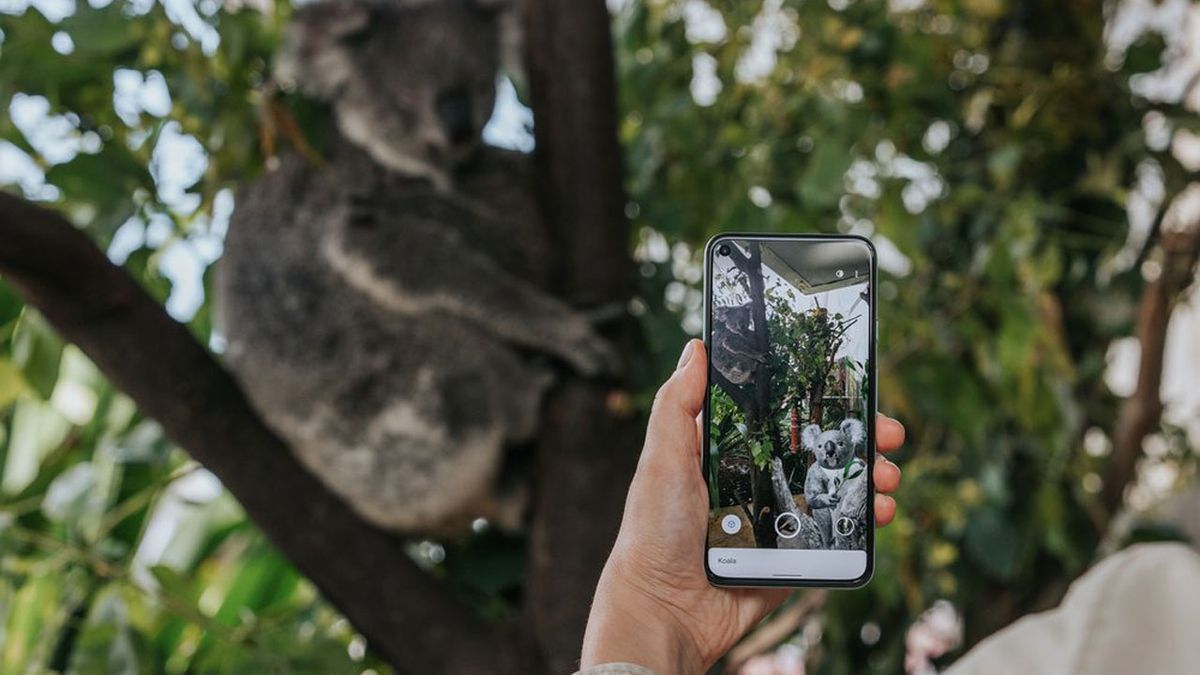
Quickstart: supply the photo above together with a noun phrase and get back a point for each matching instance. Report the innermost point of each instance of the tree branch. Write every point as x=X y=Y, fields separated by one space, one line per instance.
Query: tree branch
x=1142 y=411
x=588 y=449
x=411 y=620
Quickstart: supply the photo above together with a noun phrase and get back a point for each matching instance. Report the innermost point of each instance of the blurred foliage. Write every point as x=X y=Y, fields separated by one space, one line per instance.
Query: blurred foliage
x=989 y=148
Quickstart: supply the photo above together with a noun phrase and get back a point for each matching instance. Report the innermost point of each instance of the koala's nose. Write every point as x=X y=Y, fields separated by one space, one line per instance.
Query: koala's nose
x=454 y=113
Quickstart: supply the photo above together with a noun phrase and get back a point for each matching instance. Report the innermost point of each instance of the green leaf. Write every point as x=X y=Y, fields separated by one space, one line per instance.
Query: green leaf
x=761 y=451
x=67 y=497
x=29 y=624
x=852 y=464
x=174 y=584
x=108 y=644
x=37 y=351
x=10 y=306
x=821 y=185
x=12 y=383
x=1003 y=163
x=106 y=181
x=103 y=32
x=37 y=429
x=264 y=579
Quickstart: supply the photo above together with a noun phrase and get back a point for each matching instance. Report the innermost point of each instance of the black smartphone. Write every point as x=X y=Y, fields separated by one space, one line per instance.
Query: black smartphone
x=789 y=419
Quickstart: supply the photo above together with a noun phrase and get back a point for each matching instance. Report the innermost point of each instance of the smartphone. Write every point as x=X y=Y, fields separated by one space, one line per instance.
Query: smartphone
x=789 y=418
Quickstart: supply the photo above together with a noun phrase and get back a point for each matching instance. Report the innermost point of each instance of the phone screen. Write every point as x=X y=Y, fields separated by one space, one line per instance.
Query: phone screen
x=789 y=420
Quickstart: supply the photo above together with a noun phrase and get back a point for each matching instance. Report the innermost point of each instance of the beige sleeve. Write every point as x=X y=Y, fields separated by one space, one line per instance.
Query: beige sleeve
x=1135 y=612
x=616 y=669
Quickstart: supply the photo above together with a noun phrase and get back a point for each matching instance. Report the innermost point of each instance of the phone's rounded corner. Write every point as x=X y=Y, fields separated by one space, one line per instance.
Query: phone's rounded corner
x=866 y=241
x=866 y=577
x=713 y=578
x=718 y=581
x=712 y=243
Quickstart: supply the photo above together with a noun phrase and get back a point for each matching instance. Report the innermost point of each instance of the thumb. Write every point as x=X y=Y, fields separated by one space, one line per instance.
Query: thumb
x=672 y=427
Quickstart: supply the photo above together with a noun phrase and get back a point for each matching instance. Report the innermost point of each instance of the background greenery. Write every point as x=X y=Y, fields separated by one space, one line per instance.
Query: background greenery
x=992 y=149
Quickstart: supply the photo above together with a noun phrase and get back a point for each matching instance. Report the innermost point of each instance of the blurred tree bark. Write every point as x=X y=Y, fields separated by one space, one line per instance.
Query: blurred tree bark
x=1141 y=413
x=760 y=421
x=588 y=449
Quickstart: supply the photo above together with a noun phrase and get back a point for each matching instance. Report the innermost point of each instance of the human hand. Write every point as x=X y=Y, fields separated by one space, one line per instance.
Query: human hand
x=654 y=605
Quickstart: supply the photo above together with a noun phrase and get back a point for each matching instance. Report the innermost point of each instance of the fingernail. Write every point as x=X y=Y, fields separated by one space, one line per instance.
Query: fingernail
x=686 y=355
x=885 y=460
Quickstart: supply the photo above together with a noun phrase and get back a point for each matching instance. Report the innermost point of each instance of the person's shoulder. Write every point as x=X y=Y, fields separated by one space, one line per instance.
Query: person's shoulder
x=1135 y=611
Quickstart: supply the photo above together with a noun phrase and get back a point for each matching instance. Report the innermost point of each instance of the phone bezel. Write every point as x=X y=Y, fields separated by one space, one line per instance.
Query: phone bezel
x=872 y=402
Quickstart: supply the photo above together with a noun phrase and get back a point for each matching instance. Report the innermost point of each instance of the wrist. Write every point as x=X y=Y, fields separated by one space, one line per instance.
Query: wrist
x=628 y=626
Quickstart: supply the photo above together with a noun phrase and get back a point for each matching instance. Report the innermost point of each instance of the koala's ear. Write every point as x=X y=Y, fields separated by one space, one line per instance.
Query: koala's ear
x=311 y=57
x=330 y=20
x=810 y=437
x=855 y=430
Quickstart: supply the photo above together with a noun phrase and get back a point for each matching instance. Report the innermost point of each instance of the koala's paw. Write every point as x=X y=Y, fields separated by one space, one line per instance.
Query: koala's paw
x=588 y=353
x=605 y=314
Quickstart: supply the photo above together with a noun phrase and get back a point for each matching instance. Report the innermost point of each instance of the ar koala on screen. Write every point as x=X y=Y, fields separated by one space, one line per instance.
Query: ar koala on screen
x=836 y=485
x=388 y=311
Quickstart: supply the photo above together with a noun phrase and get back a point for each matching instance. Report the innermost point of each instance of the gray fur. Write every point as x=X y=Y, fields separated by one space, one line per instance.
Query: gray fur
x=397 y=332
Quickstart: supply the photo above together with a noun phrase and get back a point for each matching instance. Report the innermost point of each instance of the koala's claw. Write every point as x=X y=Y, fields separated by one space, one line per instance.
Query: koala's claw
x=606 y=313
x=603 y=358
x=592 y=355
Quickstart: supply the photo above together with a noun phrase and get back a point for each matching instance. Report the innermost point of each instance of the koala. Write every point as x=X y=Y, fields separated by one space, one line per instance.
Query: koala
x=827 y=483
x=733 y=352
x=385 y=312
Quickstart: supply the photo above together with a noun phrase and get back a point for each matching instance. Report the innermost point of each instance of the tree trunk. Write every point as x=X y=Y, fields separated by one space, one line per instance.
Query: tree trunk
x=588 y=450
x=762 y=338
x=759 y=421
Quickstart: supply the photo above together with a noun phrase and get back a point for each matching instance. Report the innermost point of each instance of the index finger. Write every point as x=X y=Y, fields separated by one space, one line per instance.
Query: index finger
x=889 y=434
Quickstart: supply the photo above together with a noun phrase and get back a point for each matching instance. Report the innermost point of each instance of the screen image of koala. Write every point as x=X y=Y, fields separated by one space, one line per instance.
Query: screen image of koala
x=789 y=395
